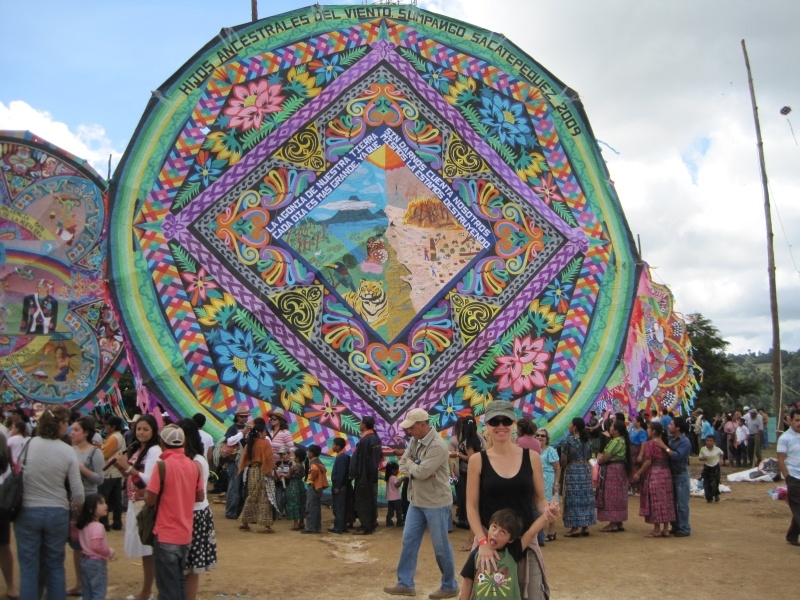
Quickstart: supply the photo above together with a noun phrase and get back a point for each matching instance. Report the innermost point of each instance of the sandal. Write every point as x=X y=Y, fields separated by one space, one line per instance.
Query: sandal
x=609 y=529
x=550 y=537
x=266 y=530
x=244 y=527
x=572 y=534
x=653 y=534
x=665 y=533
x=585 y=533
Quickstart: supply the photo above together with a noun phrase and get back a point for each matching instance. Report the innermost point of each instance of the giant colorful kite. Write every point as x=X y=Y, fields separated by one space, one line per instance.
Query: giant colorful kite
x=356 y=210
x=59 y=338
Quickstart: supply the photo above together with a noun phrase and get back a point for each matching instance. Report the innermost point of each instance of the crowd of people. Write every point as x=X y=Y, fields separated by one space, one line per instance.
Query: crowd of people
x=73 y=481
x=508 y=483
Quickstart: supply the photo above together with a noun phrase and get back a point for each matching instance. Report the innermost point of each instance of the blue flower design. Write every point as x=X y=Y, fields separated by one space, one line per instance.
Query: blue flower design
x=326 y=69
x=556 y=295
x=448 y=408
x=206 y=169
x=504 y=119
x=242 y=363
x=438 y=77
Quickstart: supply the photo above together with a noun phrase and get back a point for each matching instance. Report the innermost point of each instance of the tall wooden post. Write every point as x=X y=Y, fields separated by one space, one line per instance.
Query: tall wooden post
x=773 y=291
x=254 y=10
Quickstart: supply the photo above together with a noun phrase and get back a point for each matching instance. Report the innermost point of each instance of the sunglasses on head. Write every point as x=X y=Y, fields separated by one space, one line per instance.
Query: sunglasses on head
x=504 y=421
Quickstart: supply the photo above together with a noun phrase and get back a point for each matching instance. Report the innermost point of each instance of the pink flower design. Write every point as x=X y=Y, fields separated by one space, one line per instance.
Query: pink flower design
x=327 y=411
x=198 y=284
x=525 y=367
x=548 y=191
x=252 y=102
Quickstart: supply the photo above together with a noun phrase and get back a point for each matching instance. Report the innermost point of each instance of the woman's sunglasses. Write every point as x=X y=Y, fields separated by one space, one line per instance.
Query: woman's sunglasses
x=540 y=435
x=497 y=421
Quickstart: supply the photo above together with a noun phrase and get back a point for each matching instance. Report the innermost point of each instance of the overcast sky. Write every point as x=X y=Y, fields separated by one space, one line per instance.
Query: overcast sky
x=663 y=84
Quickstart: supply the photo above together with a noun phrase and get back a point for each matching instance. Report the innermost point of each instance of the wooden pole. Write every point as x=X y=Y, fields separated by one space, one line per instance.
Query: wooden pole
x=773 y=291
x=254 y=10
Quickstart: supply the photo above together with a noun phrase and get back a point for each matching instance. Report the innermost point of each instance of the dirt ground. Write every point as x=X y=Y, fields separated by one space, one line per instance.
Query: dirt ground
x=737 y=550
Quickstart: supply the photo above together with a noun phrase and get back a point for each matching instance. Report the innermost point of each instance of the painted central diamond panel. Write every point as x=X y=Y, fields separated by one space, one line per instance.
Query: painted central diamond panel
x=380 y=206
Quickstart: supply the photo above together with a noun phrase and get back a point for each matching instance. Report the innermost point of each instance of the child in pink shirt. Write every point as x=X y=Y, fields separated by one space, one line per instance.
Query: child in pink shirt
x=96 y=553
x=393 y=498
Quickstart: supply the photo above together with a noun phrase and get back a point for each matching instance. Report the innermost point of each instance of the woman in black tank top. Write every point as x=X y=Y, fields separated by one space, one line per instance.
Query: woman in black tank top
x=506 y=476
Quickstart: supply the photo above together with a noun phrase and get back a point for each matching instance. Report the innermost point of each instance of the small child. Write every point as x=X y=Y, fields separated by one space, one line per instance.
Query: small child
x=317 y=481
x=710 y=455
x=393 y=495
x=504 y=538
x=96 y=553
x=282 y=468
x=296 y=490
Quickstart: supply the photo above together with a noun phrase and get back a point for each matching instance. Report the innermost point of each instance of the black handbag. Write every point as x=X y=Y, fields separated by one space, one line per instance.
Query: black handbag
x=11 y=488
x=146 y=519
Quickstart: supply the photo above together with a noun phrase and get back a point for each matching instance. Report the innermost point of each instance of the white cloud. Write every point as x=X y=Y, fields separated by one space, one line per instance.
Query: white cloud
x=658 y=80
x=349 y=205
x=88 y=142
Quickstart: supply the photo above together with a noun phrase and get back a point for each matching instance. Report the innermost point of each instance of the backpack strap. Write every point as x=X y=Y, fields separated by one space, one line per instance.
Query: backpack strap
x=162 y=474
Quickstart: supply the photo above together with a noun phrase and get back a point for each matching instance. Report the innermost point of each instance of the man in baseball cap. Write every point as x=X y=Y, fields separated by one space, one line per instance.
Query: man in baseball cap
x=426 y=464
x=182 y=486
x=415 y=415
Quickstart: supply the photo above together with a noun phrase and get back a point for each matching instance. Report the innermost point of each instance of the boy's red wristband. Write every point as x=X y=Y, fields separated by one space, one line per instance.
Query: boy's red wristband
x=483 y=541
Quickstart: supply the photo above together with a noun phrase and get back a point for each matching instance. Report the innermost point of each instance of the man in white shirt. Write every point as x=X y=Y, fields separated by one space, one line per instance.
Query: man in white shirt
x=755 y=428
x=789 y=463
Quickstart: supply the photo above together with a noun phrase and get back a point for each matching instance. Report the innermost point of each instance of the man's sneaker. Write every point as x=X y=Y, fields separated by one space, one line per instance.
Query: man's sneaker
x=400 y=590
x=443 y=594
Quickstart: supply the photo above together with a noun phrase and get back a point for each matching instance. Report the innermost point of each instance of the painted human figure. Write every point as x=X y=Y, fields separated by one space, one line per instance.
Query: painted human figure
x=63 y=364
x=66 y=226
x=40 y=310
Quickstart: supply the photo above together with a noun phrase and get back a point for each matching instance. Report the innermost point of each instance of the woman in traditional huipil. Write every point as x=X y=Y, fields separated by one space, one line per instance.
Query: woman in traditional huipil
x=258 y=463
x=656 y=503
x=578 y=502
x=611 y=499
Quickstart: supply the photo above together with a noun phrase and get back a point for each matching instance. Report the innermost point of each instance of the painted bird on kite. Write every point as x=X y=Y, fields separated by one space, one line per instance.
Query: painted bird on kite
x=341 y=275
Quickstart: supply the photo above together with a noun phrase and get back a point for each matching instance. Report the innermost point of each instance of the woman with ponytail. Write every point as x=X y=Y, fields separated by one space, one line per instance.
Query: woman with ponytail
x=137 y=465
x=258 y=464
x=576 y=451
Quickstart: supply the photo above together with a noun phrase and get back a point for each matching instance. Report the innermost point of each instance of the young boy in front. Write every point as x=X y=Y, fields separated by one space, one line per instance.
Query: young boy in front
x=504 y=538
x=710 y=455
x=317 y=481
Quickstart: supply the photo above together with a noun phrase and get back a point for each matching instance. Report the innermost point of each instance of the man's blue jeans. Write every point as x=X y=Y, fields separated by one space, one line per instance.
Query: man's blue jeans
x=232 y=500
x=680 y=486
x=170 y=563
x=437 y=520
x=94 y=578
x=41 y=540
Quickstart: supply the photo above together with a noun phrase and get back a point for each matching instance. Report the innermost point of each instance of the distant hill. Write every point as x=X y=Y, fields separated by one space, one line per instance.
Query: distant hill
x=353 y=216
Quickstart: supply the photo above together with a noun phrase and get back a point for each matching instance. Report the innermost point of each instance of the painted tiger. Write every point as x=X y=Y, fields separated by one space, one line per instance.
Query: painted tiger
x=370 y=302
